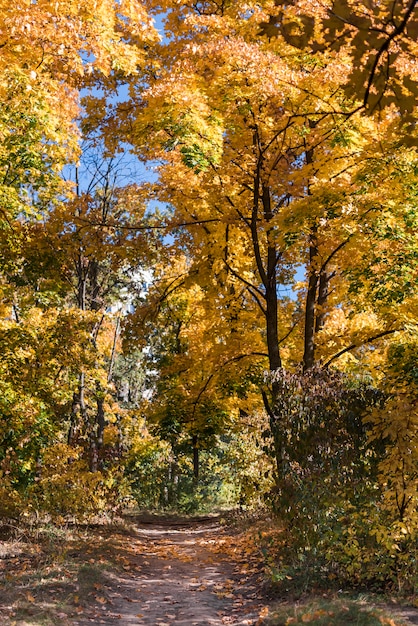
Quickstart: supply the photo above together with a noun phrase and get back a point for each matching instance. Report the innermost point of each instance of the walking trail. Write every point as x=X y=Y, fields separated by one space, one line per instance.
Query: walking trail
x=177 y=574
x=151 y=572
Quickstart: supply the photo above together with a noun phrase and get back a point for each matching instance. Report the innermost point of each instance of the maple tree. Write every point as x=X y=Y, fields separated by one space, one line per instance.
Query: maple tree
x=379 y=38
x=246 y=145
x=101 y=257
x=193 y=384
x=282 y=245
x=50 y=52
x=270 y=165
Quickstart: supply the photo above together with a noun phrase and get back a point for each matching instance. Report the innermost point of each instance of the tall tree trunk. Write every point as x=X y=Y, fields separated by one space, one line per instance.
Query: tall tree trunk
x=78 y=409
x=96 y=441
x=75 y=410
x=272 y=332
x=324 y=278
x=311 y=296
x=95 y=304
x=275 y=361
x=309 y=344
x=196 y=468
x=113 y=355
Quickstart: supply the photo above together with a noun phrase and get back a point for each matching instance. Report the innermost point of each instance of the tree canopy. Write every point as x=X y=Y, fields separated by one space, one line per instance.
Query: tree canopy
x=208 y=262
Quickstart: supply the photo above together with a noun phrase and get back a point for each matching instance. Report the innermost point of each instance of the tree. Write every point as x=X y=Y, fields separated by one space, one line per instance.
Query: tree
x=103 y=254
x=50 y=51
x=195 y=391
x=262 y=158
x=269 y=164
x=379 y=38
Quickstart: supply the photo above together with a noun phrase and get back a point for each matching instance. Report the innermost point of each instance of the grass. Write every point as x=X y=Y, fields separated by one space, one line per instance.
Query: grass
x=332 y=612
x=48 y=571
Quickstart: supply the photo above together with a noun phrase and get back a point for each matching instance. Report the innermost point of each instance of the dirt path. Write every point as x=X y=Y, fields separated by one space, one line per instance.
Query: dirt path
x=174 y=576
x=152 y=572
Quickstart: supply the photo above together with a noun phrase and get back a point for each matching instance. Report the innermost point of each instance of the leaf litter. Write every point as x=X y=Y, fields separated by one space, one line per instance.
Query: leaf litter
x=150 y=574
x=193 y=573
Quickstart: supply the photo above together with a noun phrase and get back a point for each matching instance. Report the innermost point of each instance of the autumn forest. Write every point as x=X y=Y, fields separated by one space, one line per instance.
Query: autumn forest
x=209 y=269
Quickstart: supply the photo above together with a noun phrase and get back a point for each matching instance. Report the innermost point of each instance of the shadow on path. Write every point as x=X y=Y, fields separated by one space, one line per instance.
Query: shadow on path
x=175 y=576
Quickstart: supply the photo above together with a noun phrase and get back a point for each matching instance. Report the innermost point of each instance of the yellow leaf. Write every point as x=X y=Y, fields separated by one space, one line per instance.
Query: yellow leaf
x=100 y=599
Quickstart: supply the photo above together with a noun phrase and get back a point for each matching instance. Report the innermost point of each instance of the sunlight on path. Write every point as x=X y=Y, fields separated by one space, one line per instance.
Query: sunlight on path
x=175 y=578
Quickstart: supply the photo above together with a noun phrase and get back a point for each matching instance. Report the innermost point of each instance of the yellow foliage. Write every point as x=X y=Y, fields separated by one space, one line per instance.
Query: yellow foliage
x=67 y=487
x=11 y=503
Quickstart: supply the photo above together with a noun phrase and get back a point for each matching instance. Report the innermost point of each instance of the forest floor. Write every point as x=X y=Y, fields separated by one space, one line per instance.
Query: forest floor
x=156 y=572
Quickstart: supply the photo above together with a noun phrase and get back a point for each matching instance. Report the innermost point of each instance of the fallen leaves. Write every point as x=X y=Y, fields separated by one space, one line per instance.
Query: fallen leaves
x=100 y=599
x=143 y=558
x=119 y=574
x=241 y=549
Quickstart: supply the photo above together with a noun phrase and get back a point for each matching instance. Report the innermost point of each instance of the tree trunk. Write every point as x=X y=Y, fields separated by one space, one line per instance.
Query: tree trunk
x=309 y=342
x=96 y=439
x=75 y=410
x=78 y=410
x=309 y=345
x=324 y=279
x=95 y=289
x=275 y=361
x=195 y=458
x=113 y=355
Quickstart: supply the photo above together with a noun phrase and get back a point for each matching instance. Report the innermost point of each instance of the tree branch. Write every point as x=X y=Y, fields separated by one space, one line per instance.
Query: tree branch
x=354 y=345
x=385 y=46
x=234 y=359
x=145 y=227
x=243 y=280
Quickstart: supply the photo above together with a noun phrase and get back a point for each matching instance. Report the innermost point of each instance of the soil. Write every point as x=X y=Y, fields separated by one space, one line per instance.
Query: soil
x=176 y=577
x=150 y=572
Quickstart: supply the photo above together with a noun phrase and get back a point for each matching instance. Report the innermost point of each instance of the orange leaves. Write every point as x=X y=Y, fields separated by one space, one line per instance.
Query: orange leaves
x=243 y=551
x=387 y=621
x=263 y=614
x=67 y=29
x=100 y=599
x=311 y=617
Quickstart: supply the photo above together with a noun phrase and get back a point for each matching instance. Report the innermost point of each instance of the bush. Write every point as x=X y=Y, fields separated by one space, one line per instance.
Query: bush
x=11 y=504
x=340 y=487
x=67 y=487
